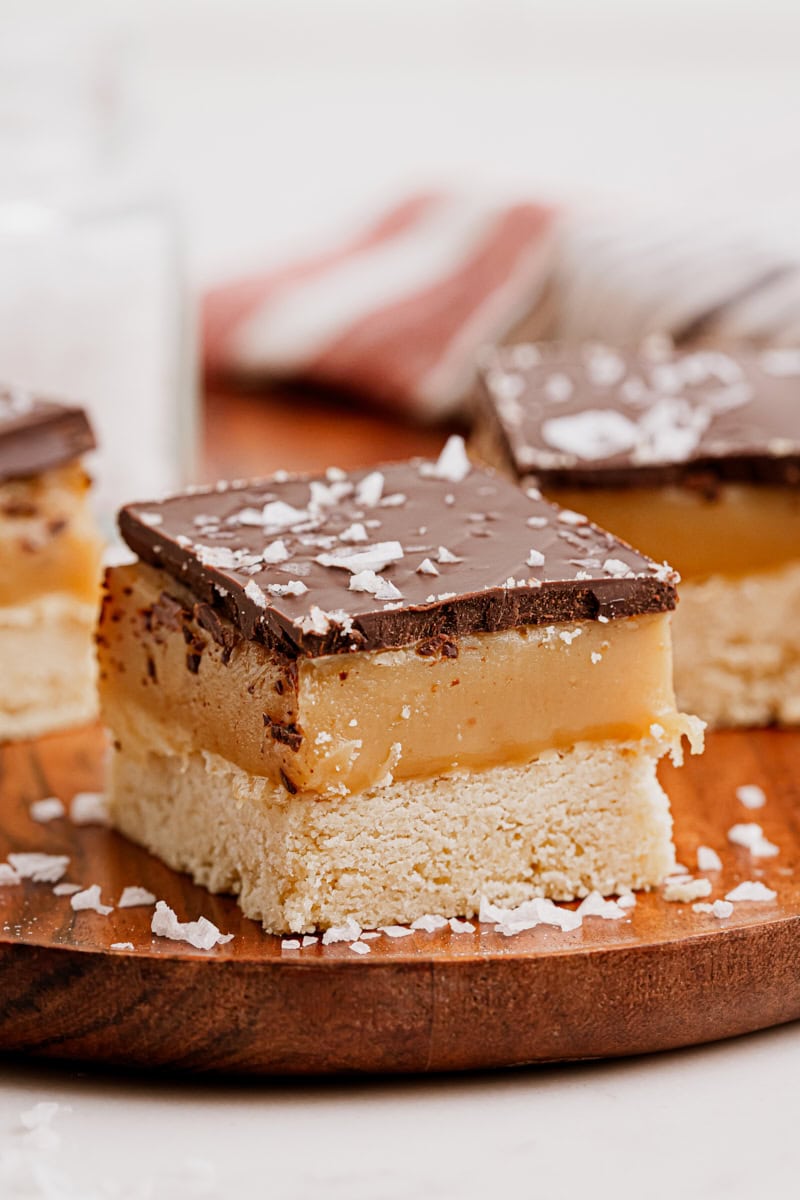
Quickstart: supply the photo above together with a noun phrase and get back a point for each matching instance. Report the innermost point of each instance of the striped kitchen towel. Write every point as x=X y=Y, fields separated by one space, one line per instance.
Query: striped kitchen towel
x=397 y=313
x=698 y=277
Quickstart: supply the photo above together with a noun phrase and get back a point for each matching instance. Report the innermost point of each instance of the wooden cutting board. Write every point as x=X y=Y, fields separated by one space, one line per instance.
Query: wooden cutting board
x=663 y=977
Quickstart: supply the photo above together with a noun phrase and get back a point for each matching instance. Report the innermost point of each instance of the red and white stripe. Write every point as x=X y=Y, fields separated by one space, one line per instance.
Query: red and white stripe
x=397 y=313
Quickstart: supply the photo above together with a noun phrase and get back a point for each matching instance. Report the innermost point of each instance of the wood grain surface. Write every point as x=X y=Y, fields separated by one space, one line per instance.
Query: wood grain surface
x=663 y=977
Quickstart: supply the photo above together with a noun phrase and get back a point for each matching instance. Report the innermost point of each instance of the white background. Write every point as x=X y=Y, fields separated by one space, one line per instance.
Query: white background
x=269 y=123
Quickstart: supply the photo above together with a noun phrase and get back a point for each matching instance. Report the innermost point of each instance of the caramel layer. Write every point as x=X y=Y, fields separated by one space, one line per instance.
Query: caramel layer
x=181 y=675
x=742 y=529
x=48 y=541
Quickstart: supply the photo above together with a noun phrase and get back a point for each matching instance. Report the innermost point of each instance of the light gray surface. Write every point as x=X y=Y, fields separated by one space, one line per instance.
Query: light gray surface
x=714 y=1123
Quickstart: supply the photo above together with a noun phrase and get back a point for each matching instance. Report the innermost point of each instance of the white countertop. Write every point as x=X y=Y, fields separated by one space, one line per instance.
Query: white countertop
x=713 y=1123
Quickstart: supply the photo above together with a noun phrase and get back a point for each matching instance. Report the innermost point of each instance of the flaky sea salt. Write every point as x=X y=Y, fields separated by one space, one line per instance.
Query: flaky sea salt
x=354 y=533
x=290 y=944
x=89 y=808
x=279 y=515
x=535 y=559
x=256 y=594
x=616 y=567
x=708 y=859
x=8 y=876
x=370 y=489
x=396 y=931
x=750 y=890
x=429 y=922
x=309 y=939
x=443 y=555
x=628 y=900
x=202 y=934
x=136 y=897
x=457 y=926
x=66 y=889
x=751 y=795
x=595 y=906
x=359 y=948
x=122 y=946
x=376 y=585
x=370 y=558
x=683 y=891
x=89 y=900
x=46 y=810
x=452 y=464
x=591 y=435
x=275 y=552
x=294 y=587
x=349 y=932
x=751 y=837
x=528 y=915
x=41 y=868
x=426 y=567
x=721 y=909
x=568 y=516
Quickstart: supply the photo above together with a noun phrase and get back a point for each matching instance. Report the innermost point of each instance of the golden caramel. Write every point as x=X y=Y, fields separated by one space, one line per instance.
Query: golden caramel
x=48 y=542
x=742 y=530
x=343 y=723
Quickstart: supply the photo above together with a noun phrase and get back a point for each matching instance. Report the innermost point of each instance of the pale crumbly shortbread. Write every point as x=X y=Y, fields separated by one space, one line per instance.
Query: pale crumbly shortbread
x=593 y=817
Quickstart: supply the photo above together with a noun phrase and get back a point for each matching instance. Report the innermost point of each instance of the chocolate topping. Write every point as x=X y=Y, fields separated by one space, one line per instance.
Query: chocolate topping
x=593 y=416
x=390 y=557
x=38 y=434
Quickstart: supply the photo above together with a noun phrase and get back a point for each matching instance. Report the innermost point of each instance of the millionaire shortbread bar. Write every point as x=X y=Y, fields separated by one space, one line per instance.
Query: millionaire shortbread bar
x=49 y=568
x=387 y=693
x=694 y=457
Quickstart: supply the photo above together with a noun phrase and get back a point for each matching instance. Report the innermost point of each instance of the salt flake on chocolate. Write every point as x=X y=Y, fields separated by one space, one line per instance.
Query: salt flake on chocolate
x=381 y=589
x=372 y=558
x=616 y=567
x=256 y=594
x=452 y=464
x=535 y=559
x=317 y=621
x=279 y=515
x=568 y=517
x=275 y=552
x=591 y=435
x=426 y=567
x=370 y=489
x=446 y=556
x=295 y=587
x=354 y=533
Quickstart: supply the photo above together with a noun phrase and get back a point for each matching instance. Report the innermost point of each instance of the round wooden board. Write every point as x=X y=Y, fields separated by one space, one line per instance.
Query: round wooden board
x=663 y=977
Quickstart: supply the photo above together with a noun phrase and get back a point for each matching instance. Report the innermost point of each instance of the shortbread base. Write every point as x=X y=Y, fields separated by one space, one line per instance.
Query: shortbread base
x=591 y=817
x=47 y=666
x=736 y=645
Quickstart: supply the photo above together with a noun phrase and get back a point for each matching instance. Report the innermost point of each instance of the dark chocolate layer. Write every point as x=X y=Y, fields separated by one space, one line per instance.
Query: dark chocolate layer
x=593 y=416
x=442 y=556
x=38 y=434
